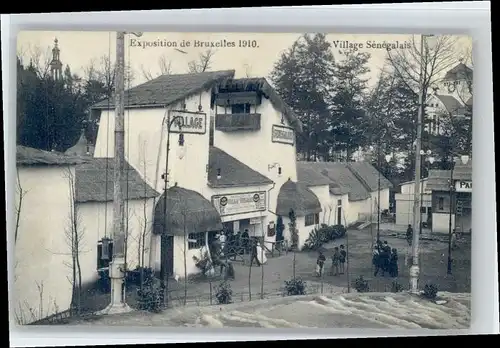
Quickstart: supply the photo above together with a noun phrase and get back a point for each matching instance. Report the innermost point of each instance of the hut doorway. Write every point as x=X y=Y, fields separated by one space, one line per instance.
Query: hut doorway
x=170 y=255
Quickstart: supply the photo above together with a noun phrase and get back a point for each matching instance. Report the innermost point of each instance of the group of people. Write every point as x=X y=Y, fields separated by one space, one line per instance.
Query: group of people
x=385 y=259
x=338 y=258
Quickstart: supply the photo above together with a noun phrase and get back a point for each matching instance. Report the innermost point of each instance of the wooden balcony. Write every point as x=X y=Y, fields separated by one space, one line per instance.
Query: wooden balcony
x=237 y=122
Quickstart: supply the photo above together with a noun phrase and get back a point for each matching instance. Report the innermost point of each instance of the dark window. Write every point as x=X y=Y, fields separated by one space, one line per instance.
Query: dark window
x=339 y=202
x=103 y=258
x=211 y=131
x=423 y=210
x=240 y=109
x=196 y=240
x=441 y=203
x=429 y=210
x=312 y=219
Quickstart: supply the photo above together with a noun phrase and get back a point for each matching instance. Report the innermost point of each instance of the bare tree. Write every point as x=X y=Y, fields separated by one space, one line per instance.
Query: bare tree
x=164 y=65
x=74 y=237
x=248 y=70
x=103 y=70
x=203 y=63
x=19 y=204
x=436 y=60
x=38 y=57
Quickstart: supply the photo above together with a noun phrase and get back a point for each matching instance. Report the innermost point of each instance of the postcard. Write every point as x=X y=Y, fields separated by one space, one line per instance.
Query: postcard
x=279 y=180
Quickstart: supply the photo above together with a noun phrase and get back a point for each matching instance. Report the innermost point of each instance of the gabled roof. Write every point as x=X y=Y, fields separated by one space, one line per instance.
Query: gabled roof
x=469 y=101
x=307 y=175
x=233 y=172
x=167 y=89
x=94 y=182
x=80 y=148
x=298 y=197
x=260 y=85
x=451 y=104
x=439 y=180
x=28 y=156
x=342 y=180
x=369 y=175
x=459 y=72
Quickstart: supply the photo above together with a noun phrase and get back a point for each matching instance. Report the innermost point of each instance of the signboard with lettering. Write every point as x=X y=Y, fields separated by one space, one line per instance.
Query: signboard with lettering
x=463 y=186
x=187 y=122
x=283 y=134
x=240 y=203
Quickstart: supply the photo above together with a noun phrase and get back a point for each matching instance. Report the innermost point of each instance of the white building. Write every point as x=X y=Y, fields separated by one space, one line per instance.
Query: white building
x=237 y=149
x=353 y=190
x=452 y=96
x=405 y=202
x=44 y=214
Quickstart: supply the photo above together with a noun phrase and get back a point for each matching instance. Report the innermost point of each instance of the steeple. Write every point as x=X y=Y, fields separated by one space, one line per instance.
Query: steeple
x=55 y=64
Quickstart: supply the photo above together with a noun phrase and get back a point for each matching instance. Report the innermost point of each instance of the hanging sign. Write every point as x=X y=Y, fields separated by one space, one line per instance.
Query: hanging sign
x=283 y=134
x=240 y=203
x=463 y=186
x=187 y=122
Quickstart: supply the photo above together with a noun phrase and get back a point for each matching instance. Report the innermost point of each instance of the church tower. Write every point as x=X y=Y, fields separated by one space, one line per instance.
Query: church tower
x=55 y=64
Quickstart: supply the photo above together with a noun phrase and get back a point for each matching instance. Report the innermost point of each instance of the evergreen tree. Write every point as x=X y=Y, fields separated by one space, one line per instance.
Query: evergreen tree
x=347 y=102
x=303 y=77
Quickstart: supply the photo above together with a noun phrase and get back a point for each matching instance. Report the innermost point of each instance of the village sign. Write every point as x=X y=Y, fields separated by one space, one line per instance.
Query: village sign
x=188 y=122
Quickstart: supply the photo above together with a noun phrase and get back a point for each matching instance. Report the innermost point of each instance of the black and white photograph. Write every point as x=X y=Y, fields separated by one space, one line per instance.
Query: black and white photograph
x=229 y=180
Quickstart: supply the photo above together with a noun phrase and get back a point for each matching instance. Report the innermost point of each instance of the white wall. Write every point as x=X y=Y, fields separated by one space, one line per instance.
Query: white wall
x=256 y=150
x=42 y=253
x=145 y=144
x=409 y=188
x=323 y=194
x=384 y=199
x=97 y=222
x=404 y=208
x=303 y=231
x=441 y=221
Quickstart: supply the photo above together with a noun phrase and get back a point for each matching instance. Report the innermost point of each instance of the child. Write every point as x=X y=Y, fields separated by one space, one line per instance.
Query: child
x=393 y=265
x=343 y=258
x=319 y=264
x=335 y=261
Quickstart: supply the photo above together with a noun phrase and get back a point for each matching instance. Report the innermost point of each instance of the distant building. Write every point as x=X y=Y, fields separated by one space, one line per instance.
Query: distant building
x=452 y=96
x=82 y=147
x=454 y=204
x=405 y=201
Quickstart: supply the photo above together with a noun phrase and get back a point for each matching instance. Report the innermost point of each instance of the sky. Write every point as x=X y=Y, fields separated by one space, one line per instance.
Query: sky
x=80 y=48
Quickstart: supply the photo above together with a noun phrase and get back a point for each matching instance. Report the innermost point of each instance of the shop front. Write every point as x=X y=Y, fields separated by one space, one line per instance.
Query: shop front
x=242 y=212
x=463 y=206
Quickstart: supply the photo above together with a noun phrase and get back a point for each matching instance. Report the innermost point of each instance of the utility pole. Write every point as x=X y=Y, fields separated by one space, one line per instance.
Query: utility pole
x=414 y=268
x=117 y=267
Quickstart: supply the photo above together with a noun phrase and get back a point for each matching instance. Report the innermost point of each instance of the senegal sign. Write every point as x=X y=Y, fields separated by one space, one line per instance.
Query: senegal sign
x=463 y=186
x=188 y=122
x=283 y=134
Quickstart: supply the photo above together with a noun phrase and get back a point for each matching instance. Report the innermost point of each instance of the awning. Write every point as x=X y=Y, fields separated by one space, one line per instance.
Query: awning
x=187 y=212
x=298 y=197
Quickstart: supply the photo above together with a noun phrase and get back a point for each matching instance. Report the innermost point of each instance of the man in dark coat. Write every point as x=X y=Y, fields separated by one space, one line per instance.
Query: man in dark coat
x=409 y=235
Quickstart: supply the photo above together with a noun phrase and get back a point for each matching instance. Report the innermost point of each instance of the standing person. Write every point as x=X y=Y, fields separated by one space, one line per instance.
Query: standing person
x=245 y=241
x=393 y=264
x=342 y=259
x=454 y=239
x=222 y=241
x=409 y=235
x=335 y=261
x=253 y=255
x=386 y=253
x=376 y=258
x=320 y=262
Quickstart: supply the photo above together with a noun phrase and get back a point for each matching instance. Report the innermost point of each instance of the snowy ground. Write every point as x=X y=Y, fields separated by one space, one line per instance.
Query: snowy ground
x=368 y=310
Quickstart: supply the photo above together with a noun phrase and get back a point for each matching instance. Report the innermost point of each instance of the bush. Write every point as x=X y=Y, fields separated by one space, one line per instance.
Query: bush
x=337 y=231
x=149 y=297
x=295 y=287
x=361 y=285
x=224 y=294
x=134 y=276
x=103 y=282
x=396 y=287
x=430 y=291
x=314 y=241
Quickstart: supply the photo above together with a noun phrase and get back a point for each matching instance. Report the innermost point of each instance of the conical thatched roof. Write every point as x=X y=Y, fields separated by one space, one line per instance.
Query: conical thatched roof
x=187 y=212
x=298 y=197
